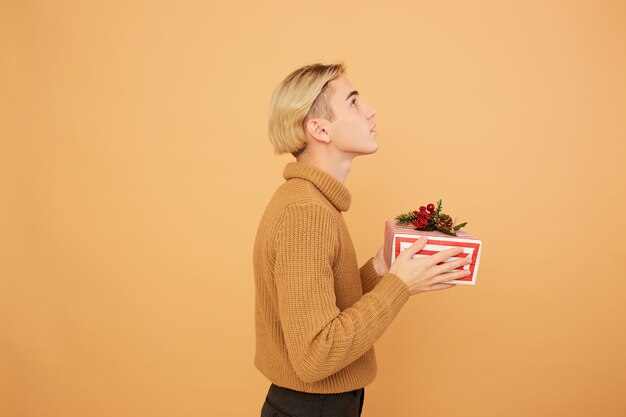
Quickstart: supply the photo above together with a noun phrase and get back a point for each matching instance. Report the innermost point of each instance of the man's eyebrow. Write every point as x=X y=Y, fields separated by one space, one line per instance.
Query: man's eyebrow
x=353 y=93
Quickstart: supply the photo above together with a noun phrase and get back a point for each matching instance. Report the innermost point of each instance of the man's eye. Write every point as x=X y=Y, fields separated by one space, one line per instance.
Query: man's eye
x=353 y=103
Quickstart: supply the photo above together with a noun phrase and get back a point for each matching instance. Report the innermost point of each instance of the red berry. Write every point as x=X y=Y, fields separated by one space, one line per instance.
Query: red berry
x=422 y=223
x=422 y=208
x=430 y=207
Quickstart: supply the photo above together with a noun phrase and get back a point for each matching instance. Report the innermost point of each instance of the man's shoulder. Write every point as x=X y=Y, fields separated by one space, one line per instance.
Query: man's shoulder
x=299 y=209
x=292 y=199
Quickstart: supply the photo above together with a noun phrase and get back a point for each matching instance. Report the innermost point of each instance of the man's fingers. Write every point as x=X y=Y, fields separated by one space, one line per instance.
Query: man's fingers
x=445 y=254
x=417 y=246
x=450 y=266
x=449 y=276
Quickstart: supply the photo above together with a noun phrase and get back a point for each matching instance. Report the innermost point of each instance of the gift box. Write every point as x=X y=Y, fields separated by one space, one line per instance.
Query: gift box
x=398 y=238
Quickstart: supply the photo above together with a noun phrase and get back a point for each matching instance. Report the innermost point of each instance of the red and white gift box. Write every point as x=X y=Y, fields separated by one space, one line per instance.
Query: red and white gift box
x=398 y=238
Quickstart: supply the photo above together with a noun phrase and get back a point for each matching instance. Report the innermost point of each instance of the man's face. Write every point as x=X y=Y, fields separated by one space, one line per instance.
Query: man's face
x=352 y=132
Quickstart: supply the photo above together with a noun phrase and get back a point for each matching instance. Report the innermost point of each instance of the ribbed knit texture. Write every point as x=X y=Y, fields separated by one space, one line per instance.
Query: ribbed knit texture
x=317 y=314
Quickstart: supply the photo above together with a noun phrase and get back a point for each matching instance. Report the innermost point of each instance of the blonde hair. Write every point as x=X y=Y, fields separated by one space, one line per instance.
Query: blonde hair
x=302 y=95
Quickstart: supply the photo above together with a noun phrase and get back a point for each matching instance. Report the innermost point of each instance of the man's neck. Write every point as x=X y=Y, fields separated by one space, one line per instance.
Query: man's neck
x=338 y=169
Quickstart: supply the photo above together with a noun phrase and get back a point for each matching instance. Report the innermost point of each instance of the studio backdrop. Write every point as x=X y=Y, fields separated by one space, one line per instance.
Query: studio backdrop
x=135 y=166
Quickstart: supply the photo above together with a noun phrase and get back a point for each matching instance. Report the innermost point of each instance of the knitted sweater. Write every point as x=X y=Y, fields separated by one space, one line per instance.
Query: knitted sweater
x=317 y=314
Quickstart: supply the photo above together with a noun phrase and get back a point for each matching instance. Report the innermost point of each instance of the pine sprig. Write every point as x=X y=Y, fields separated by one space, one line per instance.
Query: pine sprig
x=406 y=218
x=438 y=209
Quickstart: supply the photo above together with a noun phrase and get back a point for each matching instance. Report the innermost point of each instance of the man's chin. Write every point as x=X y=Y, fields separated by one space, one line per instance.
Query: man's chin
x=368 y=151
x=374 y=148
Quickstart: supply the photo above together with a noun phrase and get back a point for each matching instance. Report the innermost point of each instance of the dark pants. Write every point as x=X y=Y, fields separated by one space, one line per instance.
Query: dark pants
x=283 y=402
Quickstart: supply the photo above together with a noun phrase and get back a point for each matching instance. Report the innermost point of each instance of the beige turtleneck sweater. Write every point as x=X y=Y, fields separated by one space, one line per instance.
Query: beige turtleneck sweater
x=317 y=314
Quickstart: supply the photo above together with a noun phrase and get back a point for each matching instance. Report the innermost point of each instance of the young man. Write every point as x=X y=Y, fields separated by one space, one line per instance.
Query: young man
x=318 y=314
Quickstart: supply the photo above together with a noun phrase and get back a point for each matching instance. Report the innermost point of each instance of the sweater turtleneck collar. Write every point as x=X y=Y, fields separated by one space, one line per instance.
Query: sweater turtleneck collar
x=331 y=187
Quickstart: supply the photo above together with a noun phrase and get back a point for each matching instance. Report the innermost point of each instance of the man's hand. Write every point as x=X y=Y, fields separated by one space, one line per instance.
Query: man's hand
x=423 y=274
x=379 y=263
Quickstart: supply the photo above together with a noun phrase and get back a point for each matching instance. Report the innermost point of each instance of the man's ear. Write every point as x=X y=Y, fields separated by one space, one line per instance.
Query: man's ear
x=316 y=129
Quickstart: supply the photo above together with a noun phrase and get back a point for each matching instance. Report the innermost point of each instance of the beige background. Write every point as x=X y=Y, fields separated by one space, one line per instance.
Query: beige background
x=134 y=167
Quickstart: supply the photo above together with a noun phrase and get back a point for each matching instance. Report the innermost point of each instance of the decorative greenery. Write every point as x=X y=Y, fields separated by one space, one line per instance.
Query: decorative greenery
x=429 y=218
x=405 y=219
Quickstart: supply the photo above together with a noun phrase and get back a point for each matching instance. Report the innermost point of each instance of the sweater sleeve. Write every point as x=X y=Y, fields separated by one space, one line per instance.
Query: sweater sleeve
x=369 y=276
x=321 y=339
